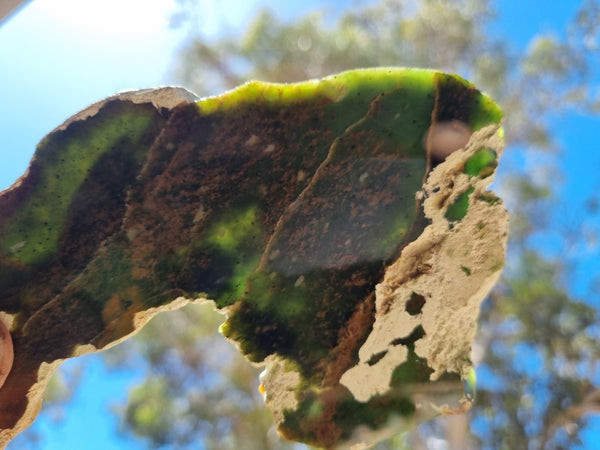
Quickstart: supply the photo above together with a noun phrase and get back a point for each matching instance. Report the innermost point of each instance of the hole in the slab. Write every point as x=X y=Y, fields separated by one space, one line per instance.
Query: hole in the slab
x=374 y=359
x=415 y=303
x=416 y=334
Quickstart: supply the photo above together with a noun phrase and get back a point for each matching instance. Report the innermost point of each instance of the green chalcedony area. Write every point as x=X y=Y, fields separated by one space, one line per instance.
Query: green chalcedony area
x=236 y=240
x=482 y=163
x=283 y=203
x=458 y=209
x=32 y=235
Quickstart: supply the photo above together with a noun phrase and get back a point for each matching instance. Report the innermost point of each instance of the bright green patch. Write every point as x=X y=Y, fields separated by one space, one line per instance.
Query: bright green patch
x=33 y=234
x=237 y=237
x=235 y=230
x=470 y=385
x=458 y=210
x=482 y=163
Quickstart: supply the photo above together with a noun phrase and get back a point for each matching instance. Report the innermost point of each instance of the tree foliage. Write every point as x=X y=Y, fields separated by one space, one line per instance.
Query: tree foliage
x=538 y=345
x=198 y=388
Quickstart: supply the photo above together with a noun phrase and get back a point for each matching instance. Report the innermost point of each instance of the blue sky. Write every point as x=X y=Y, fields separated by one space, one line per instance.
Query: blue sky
x=58 y=56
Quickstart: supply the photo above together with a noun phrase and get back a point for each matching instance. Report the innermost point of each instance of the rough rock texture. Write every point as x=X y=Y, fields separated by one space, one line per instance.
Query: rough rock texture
x=433 y=291
x=338 y=223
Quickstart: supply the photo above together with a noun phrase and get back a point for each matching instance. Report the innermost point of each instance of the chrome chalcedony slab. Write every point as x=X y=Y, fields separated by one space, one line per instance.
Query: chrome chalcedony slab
x=342 y=224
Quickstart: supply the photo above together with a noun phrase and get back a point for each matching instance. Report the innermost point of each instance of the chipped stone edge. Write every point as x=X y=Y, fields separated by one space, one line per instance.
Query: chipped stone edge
x=46 y=370
x=279 y=384
x=162 y=97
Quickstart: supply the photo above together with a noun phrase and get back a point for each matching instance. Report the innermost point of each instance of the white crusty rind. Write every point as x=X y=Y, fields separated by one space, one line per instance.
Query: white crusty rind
x=280 y=384
x=435 y=266
x=162 y=97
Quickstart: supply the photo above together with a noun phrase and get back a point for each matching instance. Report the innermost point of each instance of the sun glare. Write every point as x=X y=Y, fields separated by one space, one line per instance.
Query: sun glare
x=110 y=18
